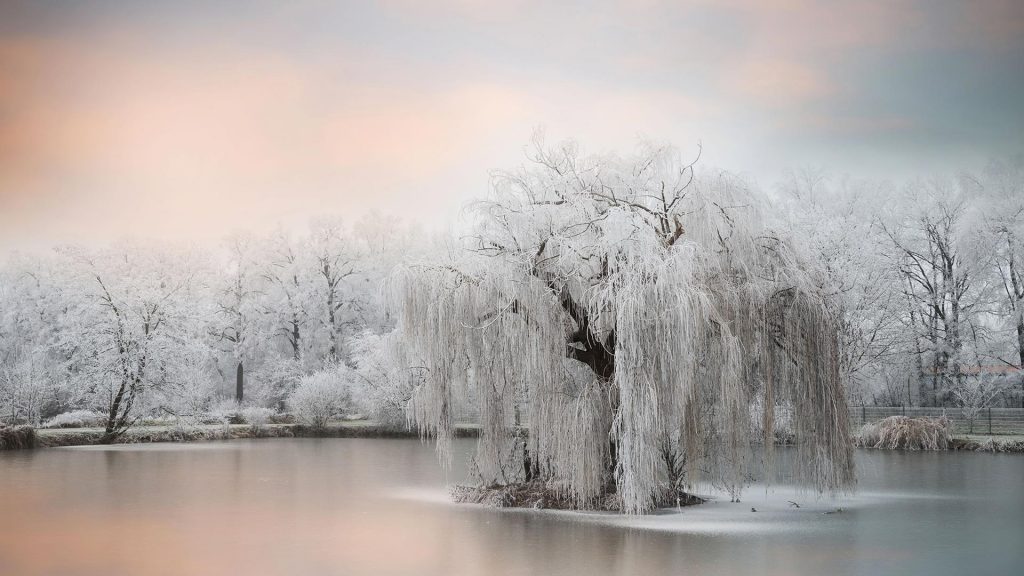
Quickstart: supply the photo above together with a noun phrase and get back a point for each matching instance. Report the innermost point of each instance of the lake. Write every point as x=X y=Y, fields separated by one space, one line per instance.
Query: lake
x=367 y=506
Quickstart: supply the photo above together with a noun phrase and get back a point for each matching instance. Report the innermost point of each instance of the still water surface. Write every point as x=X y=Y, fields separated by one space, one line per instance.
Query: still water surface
x=363 y=506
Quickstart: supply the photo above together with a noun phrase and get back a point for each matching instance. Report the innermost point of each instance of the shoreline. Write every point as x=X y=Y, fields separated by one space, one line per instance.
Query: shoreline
x=68 y=437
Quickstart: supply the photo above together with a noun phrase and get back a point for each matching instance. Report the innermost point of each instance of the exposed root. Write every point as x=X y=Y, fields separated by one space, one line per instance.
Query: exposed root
x=541 y=496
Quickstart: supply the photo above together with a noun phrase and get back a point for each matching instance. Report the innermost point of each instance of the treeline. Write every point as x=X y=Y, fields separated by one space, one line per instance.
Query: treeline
x=140 y=330
x=929 y=277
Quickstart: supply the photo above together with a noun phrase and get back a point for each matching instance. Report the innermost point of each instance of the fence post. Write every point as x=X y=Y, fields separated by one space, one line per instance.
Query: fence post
x=990 y=420
x=904 y=409
x=863 y=415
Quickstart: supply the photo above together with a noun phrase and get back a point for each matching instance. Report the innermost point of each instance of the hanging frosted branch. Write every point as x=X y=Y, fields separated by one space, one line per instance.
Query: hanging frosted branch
x=641 y=314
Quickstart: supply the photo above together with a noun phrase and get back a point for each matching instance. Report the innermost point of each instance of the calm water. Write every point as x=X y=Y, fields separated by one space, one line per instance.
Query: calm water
x=358 y=506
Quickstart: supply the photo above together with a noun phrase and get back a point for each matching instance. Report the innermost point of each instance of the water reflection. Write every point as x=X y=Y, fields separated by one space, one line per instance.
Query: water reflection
x=357 y=506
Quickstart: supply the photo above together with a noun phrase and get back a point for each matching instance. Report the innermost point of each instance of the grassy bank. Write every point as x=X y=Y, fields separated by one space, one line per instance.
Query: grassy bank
x=17 y=437
x=52 y=438
x=978 y=443
x=927 y=433
x=24 y=437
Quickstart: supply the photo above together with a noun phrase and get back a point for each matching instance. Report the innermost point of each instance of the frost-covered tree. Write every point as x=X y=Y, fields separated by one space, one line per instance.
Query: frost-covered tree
x=34 y=379
x=335 y=261
x=25 y=385
x=944 y=261
x=385 y=374
x=133 y=319
x=287 y=297
x=836 y=217
x=630 y=307
x=1001 y=192
x=977 y=392
x=237 y=326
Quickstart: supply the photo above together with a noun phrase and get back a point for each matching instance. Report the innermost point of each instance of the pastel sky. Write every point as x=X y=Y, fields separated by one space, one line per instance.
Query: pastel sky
x=188 y=120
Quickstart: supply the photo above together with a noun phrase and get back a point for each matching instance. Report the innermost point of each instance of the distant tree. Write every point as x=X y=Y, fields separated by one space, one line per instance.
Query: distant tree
x=836 y=219
x=336 y=261
x=385 y=374
x=944 y=267
x=1001 y=191
x=287 y=297
x=131 y=317
x=34 y=382
x=237 y=324
x=975 y=393
x=25 y=385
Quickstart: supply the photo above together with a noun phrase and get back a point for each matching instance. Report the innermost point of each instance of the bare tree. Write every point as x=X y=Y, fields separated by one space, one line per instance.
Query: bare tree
x=835 y=220
x=976 y=392
x=287 y=297
x=943 y=277
x=1001 y=189
x=335 y=262
x=131 y=325
x=237 y=297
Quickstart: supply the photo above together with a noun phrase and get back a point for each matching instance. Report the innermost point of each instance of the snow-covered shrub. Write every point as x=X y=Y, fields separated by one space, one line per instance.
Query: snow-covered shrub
x=906 y=433
x=224 y=412
x=273 y=381
x=384 y=376
x=17 y=437
x=319 y=397
x=76 y=419
x=257 y=416
x=192 y=388
x=162 y=420
x=976 y=393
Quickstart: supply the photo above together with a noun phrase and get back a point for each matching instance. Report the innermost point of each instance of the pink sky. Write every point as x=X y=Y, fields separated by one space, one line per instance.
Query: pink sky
x=189 y=121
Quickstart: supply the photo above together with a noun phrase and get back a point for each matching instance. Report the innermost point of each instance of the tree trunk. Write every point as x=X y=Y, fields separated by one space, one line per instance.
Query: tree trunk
x=1020 y=350
x=296 y=338
x=1020 y=341
x=239 y=382
x=331 y=323
x=112 y=416
x=955 y=343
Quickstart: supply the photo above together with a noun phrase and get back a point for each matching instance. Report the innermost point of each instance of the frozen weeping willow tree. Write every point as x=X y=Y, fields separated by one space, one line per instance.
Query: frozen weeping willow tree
x=646 y=327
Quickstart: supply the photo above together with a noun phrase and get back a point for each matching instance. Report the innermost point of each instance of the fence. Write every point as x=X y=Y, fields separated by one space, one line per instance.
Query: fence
x=985 y=421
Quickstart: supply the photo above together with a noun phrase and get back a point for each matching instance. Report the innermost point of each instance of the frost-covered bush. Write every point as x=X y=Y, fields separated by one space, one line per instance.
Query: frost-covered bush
x=273 y=381
x=319 y=397
x=224 y=412
x=906 y=433
x=17 y=437
x=384 y=377
x=192 y=388
x=76 y=419
x=162 y=420
x=257 y=416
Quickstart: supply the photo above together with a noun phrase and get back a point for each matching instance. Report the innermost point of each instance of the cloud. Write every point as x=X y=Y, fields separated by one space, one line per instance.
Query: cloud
x=187 y=121
x=781 y=83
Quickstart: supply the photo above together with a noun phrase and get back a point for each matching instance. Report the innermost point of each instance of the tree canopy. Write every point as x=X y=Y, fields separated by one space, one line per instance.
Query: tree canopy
x=636 y=315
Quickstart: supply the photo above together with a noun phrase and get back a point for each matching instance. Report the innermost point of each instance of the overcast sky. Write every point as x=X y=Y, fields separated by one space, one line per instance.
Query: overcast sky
x=188 y=120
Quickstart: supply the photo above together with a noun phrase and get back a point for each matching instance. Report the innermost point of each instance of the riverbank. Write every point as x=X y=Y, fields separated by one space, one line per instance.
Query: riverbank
x=59 y=437
x=982 y=443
